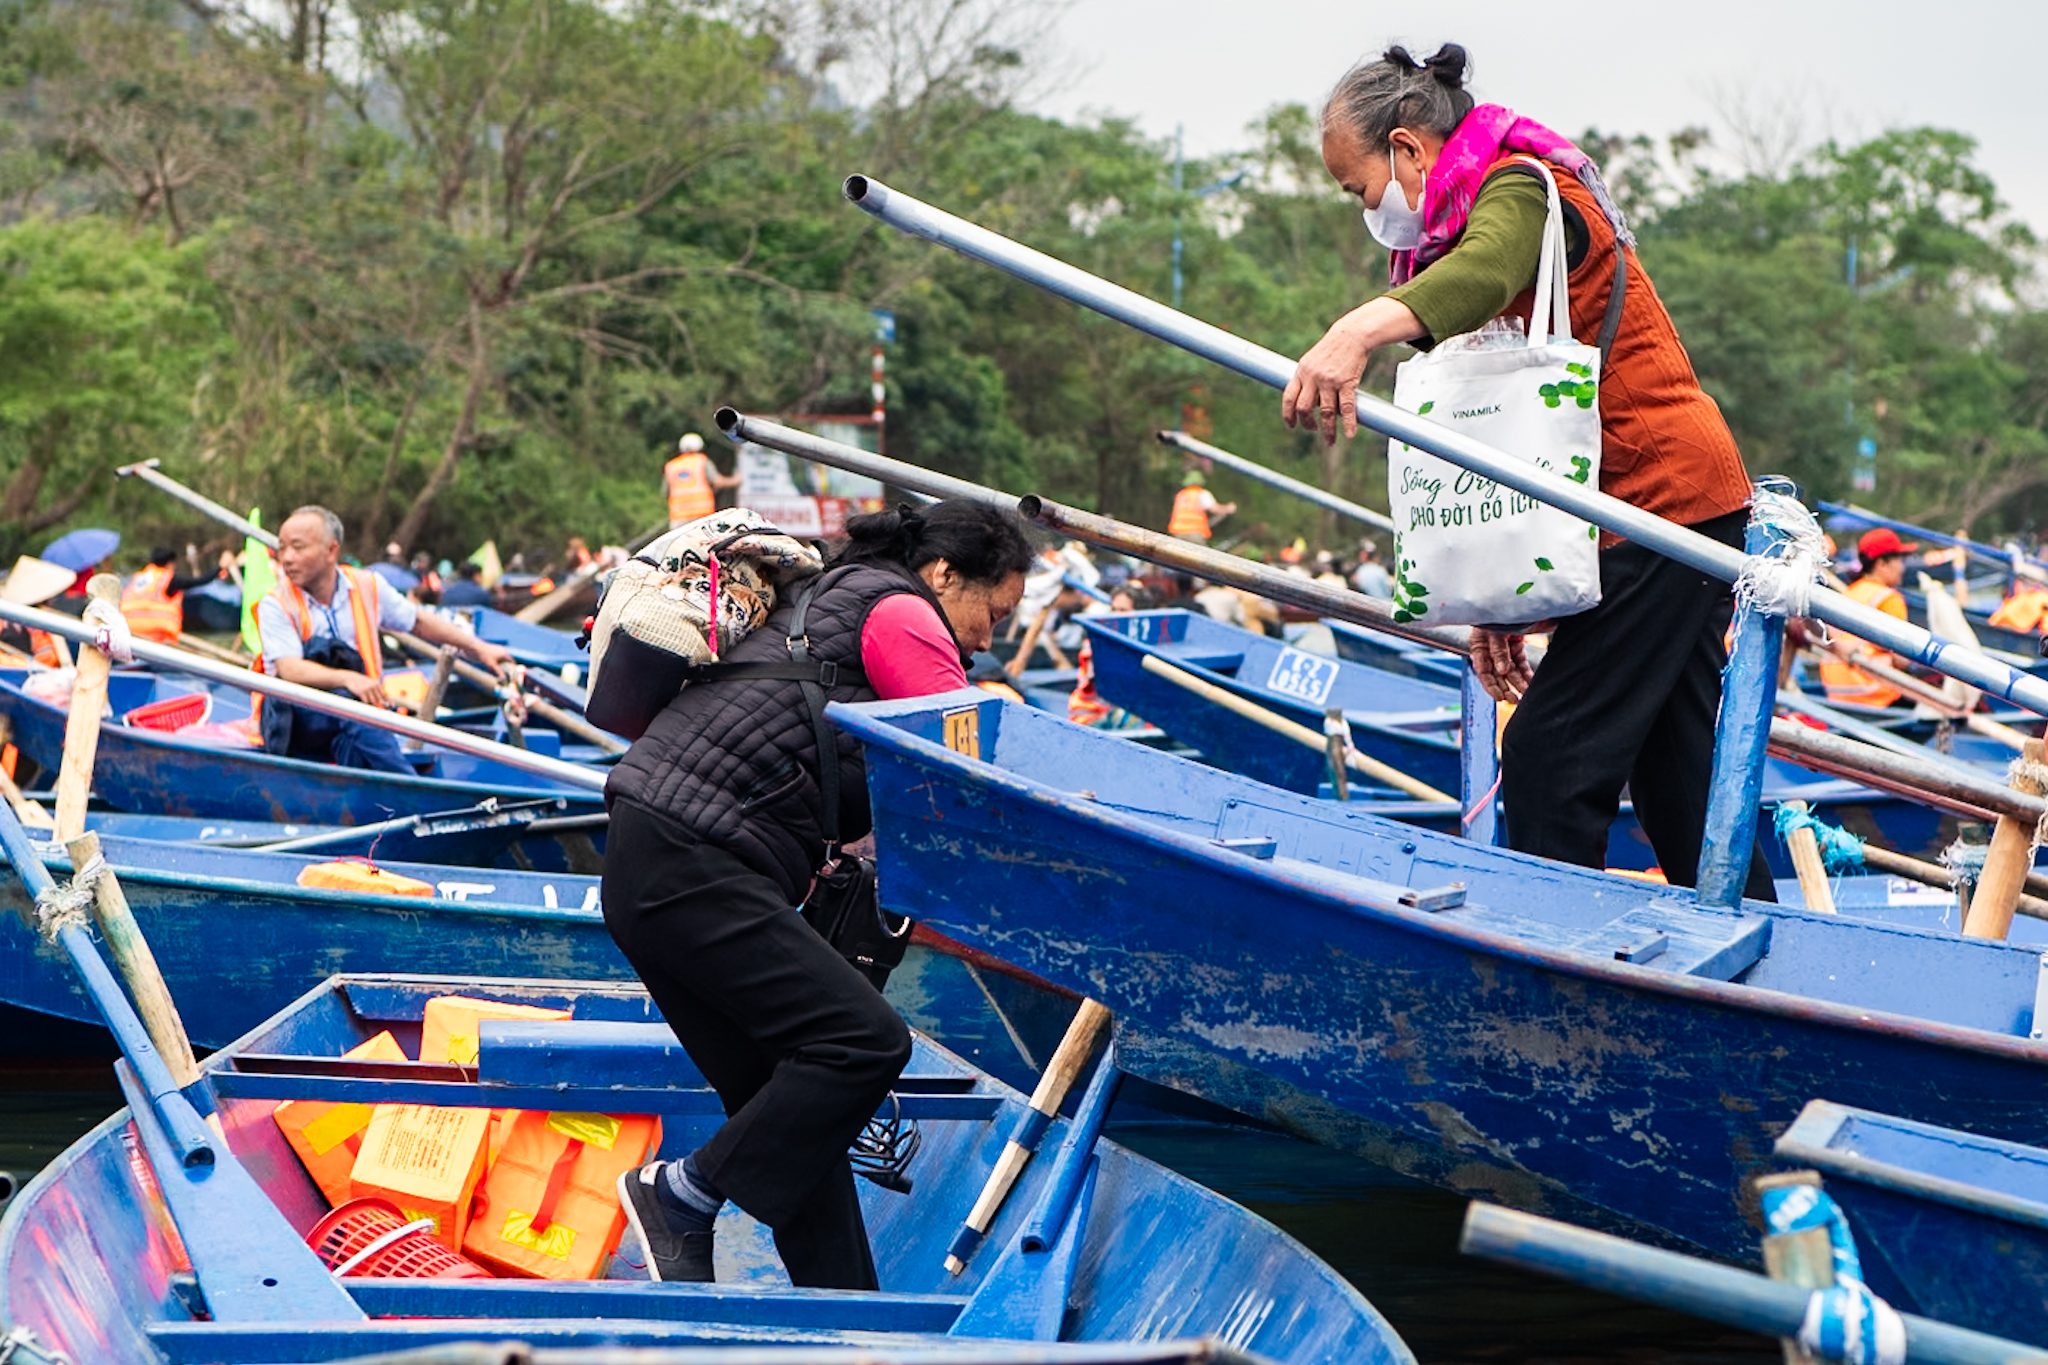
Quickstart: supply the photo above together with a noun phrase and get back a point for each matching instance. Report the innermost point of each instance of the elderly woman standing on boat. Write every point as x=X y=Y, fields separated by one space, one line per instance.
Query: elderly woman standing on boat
x=1627 y=694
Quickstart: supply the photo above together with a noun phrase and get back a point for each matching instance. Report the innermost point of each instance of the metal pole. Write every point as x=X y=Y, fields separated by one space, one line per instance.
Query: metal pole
x=1749 y=688
x=2002 y=558
x=1155 y=546
x=1478 y=761
x=148 y=473
x=1343 y=507
x=177 y=661
x=1232 y=352
x=1686 y=1284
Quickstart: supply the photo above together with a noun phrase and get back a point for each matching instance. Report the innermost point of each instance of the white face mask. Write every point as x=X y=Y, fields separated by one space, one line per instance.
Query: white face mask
x=1394 y=224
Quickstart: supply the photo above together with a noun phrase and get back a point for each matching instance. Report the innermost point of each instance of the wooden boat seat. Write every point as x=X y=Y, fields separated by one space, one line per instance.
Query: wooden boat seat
x=1664 y=936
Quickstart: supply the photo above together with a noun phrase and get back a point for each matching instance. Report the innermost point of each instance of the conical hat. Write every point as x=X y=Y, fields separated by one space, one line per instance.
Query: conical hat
x=33 y=581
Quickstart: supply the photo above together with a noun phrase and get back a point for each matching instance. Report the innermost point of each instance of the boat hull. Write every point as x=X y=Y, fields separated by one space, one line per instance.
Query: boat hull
x=1465 y=1047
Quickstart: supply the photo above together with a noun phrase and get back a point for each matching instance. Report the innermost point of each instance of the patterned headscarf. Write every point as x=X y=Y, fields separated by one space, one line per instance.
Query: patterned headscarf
x=1479 y=140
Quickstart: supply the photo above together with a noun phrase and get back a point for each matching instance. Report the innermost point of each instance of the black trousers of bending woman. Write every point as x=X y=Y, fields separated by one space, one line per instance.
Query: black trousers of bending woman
x=800 y=1047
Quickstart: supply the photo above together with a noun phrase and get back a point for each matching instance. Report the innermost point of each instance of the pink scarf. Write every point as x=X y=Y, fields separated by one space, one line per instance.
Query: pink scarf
x=1479 y=140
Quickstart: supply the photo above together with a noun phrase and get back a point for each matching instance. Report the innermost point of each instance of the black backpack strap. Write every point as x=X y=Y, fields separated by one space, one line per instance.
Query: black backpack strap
x=1611 y=323
x=814 y=700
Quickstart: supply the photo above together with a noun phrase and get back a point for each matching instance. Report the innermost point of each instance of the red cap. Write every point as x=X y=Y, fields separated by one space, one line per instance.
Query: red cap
x=1883 y=541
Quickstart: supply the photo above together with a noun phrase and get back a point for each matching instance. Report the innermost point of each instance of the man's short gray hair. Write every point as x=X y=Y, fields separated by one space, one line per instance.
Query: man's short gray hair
x=327 y=518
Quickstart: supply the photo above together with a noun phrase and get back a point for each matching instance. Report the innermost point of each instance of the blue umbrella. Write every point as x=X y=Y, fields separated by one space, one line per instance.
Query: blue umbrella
x=80 y=550
x=398 y=576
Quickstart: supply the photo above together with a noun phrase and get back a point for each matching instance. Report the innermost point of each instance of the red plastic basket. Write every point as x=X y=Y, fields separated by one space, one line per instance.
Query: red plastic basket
x=172 y=713
x=381 y=1241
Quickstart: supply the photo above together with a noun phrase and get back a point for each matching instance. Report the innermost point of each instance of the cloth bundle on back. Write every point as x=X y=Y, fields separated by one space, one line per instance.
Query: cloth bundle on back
x=654 y=622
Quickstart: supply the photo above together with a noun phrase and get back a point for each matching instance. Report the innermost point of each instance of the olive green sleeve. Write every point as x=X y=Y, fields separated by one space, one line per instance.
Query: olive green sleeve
x=1493 y=261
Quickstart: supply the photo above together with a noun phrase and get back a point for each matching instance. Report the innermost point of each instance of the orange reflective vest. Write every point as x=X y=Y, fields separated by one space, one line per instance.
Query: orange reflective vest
x=688 y=480
x=362 y=601
x=154 y=612
x=47 y=651
x=1190 y=513
x=1846 y=682
x=2022 y=611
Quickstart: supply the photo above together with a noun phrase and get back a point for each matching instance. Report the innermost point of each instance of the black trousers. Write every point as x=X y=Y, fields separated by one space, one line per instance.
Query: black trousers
x=800 y=1047
x=1627 y=696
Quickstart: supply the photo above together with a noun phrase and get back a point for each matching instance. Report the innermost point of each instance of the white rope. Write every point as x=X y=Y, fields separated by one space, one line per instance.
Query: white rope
x=1964 y=862
x=1780 y=581
x=69 y=906
x=2036 y=773
x=111 y=634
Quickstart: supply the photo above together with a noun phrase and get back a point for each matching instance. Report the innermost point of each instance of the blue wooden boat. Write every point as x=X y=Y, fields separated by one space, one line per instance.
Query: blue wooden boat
x=154 y=773
x=475 y=836
x=1392 y=654
x=535 y=646
x=1951 y=1225
x=1095 y=1244
x=1556 y=1037
x=1408 y=722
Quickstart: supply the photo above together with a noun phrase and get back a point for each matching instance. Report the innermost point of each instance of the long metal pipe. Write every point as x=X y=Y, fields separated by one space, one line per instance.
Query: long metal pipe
x=1685 y=1284
x=147 y=472
x=919 y=219
x=1199 y=560
x=1967 y=795
x=1308 y=492
x=178 y=661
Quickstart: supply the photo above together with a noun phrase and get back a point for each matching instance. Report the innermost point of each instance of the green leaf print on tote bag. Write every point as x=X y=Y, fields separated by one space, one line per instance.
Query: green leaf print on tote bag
x=1469 y=551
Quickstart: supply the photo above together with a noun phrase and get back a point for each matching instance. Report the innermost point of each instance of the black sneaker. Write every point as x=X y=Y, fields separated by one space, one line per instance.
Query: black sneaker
x=673 y=1255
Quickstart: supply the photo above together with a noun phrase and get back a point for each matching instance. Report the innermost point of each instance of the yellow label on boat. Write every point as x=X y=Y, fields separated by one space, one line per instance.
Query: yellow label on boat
x=963 y=731
x=555 y=1242
x=593 y=1130
x=336 y=1126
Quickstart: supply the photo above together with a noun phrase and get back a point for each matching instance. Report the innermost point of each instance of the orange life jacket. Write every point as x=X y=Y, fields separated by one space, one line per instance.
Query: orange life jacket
x=688 y=480
x=47 y=651
x=362 y=600
x=1845 y=681
x=2022 y=611
x=154 y=612
x=1190 y=513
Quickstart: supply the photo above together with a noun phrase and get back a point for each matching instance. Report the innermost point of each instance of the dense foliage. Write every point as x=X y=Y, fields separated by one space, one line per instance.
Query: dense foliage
x=467 y=268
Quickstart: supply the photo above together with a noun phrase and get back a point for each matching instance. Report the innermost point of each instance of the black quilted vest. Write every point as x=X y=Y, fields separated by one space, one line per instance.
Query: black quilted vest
x=735 y=763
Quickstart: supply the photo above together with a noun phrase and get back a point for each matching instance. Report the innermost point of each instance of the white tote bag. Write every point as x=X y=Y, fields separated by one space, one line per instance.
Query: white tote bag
x=1467 y=550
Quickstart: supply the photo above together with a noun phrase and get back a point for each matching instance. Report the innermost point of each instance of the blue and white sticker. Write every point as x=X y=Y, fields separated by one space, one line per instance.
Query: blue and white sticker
x=1303 y=677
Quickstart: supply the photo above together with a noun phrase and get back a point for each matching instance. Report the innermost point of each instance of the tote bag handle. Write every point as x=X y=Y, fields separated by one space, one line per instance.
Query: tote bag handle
x=1553 y=294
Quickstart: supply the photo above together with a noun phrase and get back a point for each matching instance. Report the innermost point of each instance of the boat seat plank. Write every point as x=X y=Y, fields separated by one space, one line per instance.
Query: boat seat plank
x=275 y=1343
x=1718 y=947
x=764 y=1305
x=937 y=1098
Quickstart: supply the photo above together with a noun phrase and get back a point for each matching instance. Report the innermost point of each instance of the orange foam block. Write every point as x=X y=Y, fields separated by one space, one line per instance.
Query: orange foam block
x=427 y=1160
x=327 y=1136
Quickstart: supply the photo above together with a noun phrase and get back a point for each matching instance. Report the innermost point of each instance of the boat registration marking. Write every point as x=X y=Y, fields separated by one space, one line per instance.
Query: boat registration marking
x=1303 y=676
x=963 y=731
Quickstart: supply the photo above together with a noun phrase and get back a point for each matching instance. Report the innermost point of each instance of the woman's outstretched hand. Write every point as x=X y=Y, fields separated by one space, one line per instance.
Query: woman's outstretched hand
x=1324 y=391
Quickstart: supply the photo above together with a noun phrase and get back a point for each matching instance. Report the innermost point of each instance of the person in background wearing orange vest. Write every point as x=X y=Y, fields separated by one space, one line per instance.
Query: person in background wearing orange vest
x=692 y=482
x=2025 y=610
x=154 y=600
x=1883 y=558
x=319 y=627
x=1195 y=509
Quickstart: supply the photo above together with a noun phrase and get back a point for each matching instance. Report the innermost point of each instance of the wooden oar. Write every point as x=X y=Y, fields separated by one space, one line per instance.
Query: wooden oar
x=1060 y=1074
x=110 y=907
x=2007 y=862
x=82 y=724
x=563 y=719
x=1804 y=1257
x=1804 y=846
x=1382 y=773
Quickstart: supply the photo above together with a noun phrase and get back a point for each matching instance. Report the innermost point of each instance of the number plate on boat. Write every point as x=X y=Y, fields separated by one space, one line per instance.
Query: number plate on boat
x=1303 y=676
x=963 y=731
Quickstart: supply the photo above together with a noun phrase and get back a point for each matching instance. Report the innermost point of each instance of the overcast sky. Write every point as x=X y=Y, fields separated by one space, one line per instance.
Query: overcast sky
x=1849 y=69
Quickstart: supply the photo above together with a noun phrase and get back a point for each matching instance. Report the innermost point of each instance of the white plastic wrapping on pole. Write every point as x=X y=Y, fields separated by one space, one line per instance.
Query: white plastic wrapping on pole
x=919 y=219
x=1308 y=492
x=178 y=661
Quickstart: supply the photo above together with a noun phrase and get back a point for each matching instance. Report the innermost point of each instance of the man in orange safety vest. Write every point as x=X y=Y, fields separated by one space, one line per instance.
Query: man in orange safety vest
x=1195 y=509
x=1882 y=556
x=154 y=599
x=691 y=482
